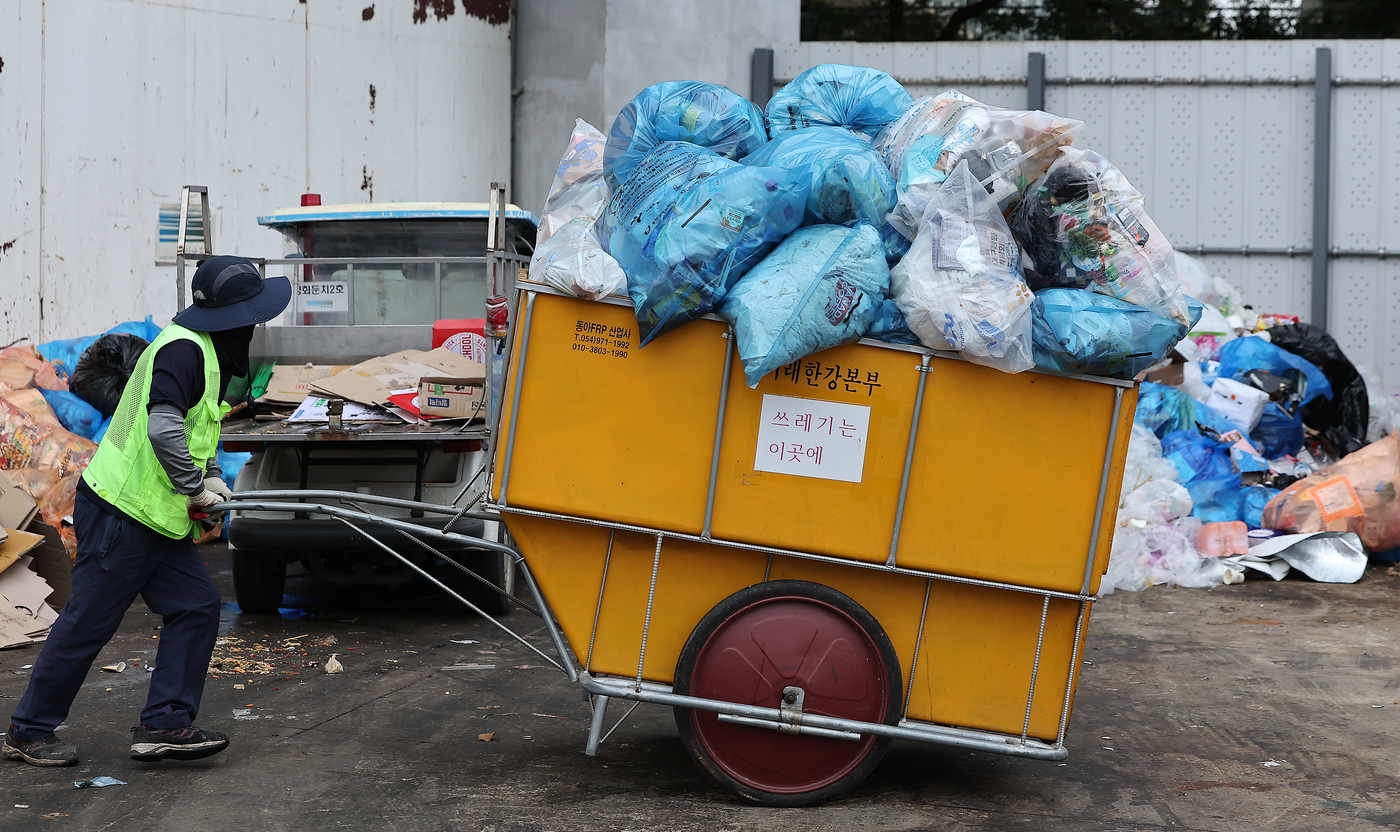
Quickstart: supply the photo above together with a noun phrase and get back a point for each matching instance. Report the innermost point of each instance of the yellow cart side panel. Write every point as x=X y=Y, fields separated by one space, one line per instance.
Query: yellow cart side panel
x=610 y=431
x=1115 y=487
x=830 y=517
x=1006 y=475
x=974 y=666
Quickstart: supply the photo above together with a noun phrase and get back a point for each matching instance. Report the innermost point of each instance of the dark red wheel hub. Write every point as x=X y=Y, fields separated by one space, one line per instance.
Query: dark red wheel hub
x=789 y=641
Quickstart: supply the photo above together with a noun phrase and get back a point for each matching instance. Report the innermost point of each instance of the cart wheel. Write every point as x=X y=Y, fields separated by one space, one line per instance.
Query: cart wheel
x=783 y=635
x=259 y=579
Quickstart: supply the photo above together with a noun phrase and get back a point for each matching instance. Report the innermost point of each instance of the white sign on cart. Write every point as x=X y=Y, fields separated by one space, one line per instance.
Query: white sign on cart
x=812 y=438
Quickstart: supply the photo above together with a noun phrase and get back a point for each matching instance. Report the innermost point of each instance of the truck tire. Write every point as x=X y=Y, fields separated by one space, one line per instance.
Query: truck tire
x=259 y=579
x=499 y=570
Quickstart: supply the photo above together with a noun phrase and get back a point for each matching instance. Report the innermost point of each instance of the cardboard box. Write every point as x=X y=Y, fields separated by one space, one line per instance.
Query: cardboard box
x=465 y=336
x=16 y=506
x=452 y=398
x=17 y=545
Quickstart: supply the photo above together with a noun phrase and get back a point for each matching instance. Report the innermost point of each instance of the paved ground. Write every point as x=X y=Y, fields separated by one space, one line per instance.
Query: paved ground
x=1245 y=707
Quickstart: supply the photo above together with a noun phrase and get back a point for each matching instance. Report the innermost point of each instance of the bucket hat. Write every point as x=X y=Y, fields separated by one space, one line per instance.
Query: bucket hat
x=229 y=293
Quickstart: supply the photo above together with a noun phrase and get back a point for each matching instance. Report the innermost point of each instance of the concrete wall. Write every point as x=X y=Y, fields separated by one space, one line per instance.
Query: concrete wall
x=107 y=107
x=588 y=58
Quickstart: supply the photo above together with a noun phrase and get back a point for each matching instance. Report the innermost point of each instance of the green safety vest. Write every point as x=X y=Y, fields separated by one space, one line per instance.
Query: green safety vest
x=125 y=471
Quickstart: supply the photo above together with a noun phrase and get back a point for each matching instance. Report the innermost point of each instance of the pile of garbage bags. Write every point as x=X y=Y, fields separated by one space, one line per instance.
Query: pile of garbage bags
x=976 y=208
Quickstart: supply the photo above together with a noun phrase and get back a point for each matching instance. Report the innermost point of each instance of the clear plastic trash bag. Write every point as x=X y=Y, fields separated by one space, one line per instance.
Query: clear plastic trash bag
x=1004 y=149
x=1195 y=280
x=858 y=98
x=1083 y=225
x=709 y=115
x=573 y=261
x=960 y=285
x=1074 y=331
x=578 y=187
x=689 y=223
x=848 y=180
x=821 y=287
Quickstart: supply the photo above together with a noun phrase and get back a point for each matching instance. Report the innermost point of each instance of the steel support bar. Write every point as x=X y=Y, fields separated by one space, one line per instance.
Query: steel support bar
x=595 y=728
x=719 y=432
x=1035 y=81
x=923 y=370
x=905 y=730
x=788 y=727
x=761 y=84
x=515 y=393
x=369 y=519
x=1322 y=184
x=356 y=497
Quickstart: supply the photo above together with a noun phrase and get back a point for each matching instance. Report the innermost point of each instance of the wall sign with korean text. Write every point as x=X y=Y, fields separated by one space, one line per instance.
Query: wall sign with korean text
x=323 y=296
x=812 y=438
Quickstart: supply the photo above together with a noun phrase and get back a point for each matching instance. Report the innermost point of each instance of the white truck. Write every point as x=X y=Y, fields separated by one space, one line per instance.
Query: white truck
x=386 y=273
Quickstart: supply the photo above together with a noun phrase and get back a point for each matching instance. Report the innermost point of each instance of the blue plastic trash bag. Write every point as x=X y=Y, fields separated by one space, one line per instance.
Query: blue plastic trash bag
x=1196 y=456
x=688 y=224
x=1217 y=501
x=1241 y=355
x=681 y=111
x=101 y=430
x=821 y=287
x=231 y=462
x=857 y=98
x=1077 y=331
x=1255 y=498
x=1164 y=409
x=889 y=325
x=73 y=413
x=848 y=181
x=1277 y=433
x=896 y=245
x=65 y=354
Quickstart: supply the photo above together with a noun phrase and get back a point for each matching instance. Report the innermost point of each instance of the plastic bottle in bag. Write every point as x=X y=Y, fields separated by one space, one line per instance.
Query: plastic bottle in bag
x=1004 y=149
x=709 y=115
x=857 y=98
x=960 y=285
x=1084 y=226
x=579 y=187
x=688 y=224
x=821 y=287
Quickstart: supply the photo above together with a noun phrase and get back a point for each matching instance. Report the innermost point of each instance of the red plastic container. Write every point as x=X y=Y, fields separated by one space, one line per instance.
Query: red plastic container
x=466 y=336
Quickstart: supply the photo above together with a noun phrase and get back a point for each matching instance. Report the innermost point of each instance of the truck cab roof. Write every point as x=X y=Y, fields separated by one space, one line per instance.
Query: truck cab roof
x=287 y=217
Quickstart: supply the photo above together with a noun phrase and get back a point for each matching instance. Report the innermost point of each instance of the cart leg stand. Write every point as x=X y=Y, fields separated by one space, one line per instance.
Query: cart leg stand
x=595 y=731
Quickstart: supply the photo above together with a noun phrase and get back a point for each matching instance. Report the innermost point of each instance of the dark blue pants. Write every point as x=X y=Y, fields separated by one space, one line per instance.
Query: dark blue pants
x=118 y=559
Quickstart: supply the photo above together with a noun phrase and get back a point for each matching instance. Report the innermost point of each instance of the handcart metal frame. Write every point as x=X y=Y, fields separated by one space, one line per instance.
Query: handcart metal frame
x=349 y=509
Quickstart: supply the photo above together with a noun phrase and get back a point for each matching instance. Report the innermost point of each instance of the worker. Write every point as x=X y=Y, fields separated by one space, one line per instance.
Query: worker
x=132 y=514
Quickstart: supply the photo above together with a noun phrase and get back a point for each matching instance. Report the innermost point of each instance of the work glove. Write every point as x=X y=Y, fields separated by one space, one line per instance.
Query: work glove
x=203 y=500
x=219 y=487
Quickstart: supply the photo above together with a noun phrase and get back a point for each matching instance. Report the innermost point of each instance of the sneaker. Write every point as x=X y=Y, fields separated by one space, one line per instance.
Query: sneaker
x=151 y=745
x=45 y=751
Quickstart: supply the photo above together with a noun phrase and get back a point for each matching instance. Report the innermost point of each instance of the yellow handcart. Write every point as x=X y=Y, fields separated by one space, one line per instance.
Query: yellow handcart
x=879 y=542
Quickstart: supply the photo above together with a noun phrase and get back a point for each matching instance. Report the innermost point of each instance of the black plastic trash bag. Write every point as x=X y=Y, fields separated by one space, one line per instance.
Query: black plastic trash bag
x=104 y=368
x=1341 y=419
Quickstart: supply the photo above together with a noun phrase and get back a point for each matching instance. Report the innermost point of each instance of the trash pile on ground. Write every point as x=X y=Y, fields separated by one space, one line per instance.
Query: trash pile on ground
x=1256 y=441
x=35 y=567
x=235 y=657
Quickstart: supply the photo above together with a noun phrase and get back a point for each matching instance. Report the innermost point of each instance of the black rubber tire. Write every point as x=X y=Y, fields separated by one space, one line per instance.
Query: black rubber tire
x=745 y=599
x=259 y=581
x=493 y=567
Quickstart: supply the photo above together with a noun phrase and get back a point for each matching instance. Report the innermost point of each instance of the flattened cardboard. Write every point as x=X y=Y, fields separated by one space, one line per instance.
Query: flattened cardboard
x=13 y=625
x=17 y=508
x=53 y=563
x=16 y=546
x=373 y=381
x=291 y=383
